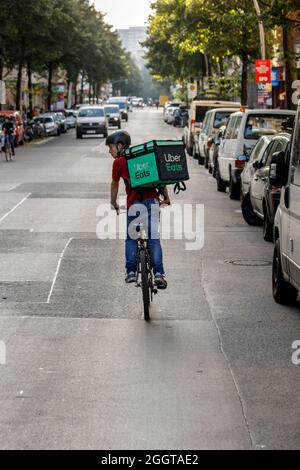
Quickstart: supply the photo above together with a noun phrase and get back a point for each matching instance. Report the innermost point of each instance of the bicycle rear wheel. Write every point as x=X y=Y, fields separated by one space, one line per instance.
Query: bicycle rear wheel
x=145 y=284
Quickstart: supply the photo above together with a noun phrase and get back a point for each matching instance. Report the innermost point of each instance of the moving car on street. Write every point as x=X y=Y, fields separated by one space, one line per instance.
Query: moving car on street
x=113 y=115
x=122 y=102
x=91 y=120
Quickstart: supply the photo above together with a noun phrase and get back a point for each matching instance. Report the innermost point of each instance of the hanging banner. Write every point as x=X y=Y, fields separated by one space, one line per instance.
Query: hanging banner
x=263 y=71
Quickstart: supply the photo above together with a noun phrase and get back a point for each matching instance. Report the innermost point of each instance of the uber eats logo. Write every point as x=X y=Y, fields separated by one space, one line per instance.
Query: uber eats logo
x=142 y=170
x=173 y=162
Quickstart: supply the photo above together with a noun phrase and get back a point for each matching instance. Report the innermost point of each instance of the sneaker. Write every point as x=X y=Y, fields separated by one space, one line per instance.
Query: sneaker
x=131 y=277
x=160 y=281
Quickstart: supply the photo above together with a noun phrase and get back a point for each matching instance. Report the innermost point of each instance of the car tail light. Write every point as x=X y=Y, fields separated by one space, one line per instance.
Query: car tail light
x=240 y=161
x=193 y=123
x=274 y=189
x=209 y=143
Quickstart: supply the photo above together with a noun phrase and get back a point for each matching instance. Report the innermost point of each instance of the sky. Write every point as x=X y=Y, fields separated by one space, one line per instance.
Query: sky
x=124 y=13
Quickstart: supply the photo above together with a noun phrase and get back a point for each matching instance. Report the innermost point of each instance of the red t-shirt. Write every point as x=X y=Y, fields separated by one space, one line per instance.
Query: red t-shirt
x=119 y=170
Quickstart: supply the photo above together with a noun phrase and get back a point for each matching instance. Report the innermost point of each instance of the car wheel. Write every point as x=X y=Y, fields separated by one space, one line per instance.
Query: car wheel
x=190 y=151
x=206 y=162
x=247 y=210
x=105 y=134
x=195 y=155
x=210 y=170
x=267 y=227
x=221 y=184
x=234 y=190
x=78 y=135
x=283 y=292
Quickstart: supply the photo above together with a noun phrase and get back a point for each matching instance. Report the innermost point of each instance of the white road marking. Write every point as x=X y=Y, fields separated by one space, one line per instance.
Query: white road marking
x=14 y=208
x=57 y=269
x=44 y=141
x=13 y=187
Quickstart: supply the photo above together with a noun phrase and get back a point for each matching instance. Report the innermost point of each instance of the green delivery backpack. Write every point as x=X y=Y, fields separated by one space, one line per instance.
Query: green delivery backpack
x=157 y=163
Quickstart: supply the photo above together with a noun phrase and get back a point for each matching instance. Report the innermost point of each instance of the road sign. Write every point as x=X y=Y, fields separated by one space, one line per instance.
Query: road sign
x=263 y=69
x=192 y=90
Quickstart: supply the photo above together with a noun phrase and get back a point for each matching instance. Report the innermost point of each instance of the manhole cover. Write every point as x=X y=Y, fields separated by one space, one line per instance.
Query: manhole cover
x=248 y=262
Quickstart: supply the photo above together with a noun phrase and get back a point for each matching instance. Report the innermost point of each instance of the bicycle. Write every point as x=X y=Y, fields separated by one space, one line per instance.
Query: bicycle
x=144 y=275
x=144 y=278
x=8 y=149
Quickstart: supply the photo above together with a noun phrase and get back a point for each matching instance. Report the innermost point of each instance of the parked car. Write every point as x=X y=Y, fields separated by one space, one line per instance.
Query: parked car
x=71 y=118
x=171 y=115
x=180 y=116
x=18 y=123
x=113 y=115
x=167 y=112
x=285 y=173
x=91 y=120
x=249 y=169
x=50 y=125
x=56 y=120
x=62 y=121
x=242 y=132
x=214 y=119
x=214 y=150
x=261 y=202
x=197 y=114
x=123 y=105
x=169 y=107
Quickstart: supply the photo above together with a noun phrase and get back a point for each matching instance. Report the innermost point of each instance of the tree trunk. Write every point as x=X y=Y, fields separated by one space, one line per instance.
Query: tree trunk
x=90 y=92
x=290 y=64
x=244 y=83
x=19 y=86
x=81 y=89
x=30 y=94
x=1 y=70
x=50 y=74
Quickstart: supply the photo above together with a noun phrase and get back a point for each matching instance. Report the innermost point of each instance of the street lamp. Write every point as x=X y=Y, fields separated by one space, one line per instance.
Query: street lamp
x=261 y=31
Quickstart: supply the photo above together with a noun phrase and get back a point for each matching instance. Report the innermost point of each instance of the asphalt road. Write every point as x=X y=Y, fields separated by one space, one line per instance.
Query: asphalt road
x=213 y=368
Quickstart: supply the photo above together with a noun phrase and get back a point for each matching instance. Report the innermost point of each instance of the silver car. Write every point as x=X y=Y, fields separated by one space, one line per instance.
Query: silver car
x=91 y=120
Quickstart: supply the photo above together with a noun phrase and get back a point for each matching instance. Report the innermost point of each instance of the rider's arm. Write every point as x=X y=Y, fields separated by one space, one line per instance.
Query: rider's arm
x=114 y=193
x=166 y=198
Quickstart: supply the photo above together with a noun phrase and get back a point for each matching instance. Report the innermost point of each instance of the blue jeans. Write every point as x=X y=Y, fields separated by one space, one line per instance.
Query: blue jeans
x=11 y=140
x=147 y=213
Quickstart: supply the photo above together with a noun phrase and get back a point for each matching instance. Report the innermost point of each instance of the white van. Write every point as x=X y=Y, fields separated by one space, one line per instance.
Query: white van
x=197 y=114
x=242 y=132
x=214 y=119
x=286 y=259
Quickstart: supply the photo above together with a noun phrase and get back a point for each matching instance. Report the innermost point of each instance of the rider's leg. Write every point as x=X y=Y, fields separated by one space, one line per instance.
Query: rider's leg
x=130 y=250
x=12 y=143
x=155 y=249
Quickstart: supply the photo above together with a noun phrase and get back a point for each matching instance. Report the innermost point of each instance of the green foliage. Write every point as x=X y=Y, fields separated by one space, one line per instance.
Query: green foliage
x=68 y=34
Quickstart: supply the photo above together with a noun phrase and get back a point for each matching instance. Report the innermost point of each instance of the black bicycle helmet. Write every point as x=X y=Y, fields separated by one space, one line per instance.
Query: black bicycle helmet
x=119 y=137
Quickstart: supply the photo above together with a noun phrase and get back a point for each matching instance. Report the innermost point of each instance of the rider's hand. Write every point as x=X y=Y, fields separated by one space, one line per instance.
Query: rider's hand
x=116 y=207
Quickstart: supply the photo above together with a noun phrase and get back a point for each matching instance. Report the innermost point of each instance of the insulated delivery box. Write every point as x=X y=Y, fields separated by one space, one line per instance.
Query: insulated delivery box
x=157 y=163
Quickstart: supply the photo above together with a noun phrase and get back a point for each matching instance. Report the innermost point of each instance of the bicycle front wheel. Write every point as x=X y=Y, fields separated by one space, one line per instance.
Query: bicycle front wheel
x=145 y=284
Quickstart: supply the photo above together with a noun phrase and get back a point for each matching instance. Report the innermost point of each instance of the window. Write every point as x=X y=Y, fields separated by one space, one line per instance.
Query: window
x=200 y=113
x=221 y=118
x=271 y=148
x=237 y=124
x=229 y=128
x=281 y=146
x=295 y=153
x=91 y=112
x=265 y=124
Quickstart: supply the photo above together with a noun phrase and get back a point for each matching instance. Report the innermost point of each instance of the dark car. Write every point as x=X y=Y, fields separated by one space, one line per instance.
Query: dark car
x=181 y=116
x=112 y=112
x=260 y=204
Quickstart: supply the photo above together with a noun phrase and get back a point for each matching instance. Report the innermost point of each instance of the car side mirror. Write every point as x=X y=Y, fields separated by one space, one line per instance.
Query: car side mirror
x=277 y=170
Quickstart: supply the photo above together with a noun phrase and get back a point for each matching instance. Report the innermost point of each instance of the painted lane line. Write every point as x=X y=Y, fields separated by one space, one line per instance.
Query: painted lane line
x=57 y=269
x=13 y=187
x=14 y=208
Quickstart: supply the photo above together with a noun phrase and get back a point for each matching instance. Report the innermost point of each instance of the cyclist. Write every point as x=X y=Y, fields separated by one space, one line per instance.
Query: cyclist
x=9 y=132
x=149 y=198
